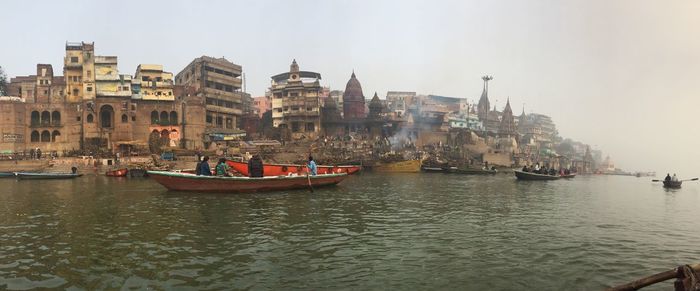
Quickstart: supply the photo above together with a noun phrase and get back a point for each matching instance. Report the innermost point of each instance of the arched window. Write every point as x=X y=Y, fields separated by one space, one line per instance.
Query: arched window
x=125 y=118
x=164 y=119
x=45 y=136
x=90 y=119
x=36 y=119
x=54 y=135
x=173 y=117
x=106 y=116
x=45 y=118
x=56 y=118
x=154 y=117
x=35 y=135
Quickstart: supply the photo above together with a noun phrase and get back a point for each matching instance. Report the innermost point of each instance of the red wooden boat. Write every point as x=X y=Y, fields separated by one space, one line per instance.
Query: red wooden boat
x=190 y=182
x=286 y=169
x=117 y=173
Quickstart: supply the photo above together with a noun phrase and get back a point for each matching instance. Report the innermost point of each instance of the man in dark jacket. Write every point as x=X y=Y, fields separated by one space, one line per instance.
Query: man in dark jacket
x=203 y=167
x=255 y=167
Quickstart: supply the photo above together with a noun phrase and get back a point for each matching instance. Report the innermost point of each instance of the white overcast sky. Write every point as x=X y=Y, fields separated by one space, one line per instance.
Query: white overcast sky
x=623 y=76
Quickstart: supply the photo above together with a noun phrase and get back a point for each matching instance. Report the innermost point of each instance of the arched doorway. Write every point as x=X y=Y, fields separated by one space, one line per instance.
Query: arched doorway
x=56 y=118
x=106 y=116
x=45 y=136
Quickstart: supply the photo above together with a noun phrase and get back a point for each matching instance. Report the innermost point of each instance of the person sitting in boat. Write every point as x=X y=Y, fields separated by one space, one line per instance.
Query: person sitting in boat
x=203 y=167
x=312 y=166
x=222 y=169
x=537 y=168
x=674 y=178
x=255 y=167
x=668 y=177
x=552 y=171
x=525 y=169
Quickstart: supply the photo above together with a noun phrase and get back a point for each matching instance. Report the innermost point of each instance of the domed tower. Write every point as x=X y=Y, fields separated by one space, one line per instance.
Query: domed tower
x=375 y=107
x=353 y=99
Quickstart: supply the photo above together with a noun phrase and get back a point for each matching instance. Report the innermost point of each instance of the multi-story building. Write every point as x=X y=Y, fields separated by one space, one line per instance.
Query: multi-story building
x=295 y=102
x=263 y=104
x=154 y=83
x=219 y=82
x=398 y=101
x=79 y=71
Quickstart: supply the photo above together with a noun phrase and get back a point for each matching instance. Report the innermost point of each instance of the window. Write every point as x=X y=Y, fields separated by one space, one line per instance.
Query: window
x=279 y=109
x=295 y=94
x=229 y=123
x=73 y=59
x=56 y=118
x=133 y=118
x=295 y=126
x=45 y=136
x=164 y=119
x=310 y=126
x=154 y=117
x=309 y=109
x=89 y=89
x=76 y=92
x=89 y=72
x=219 y=121
x=54 y=135
x=35 y=136
x=209 y=119
x=173 y=117
x=90 y=119
x=125 y=118
x=46 y=92
x=78 y=119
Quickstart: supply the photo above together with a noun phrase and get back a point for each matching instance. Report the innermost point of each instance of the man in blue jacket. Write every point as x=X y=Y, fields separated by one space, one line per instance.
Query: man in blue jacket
x=203 y=167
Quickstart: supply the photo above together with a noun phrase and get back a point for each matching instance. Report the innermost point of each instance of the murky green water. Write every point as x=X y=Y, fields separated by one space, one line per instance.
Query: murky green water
x=388 y=232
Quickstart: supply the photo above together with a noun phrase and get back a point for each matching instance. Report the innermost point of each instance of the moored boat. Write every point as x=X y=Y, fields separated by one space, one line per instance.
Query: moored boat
x=117 y=173
x=533 y=176
x=433 y=169
x=137 y=173
x=190 y=182
x=286 y=169
x=673 y=184
x=411 y=166
x=470 y=171
x=44 y=176
x=7 y=174
x=569 y=176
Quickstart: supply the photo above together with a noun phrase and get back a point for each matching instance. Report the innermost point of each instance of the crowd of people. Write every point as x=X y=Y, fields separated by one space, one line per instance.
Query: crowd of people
x=255 y=167
x=544 y=170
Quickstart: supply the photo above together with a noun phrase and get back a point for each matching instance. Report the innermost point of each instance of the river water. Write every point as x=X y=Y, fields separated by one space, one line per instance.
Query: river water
x=388 y=232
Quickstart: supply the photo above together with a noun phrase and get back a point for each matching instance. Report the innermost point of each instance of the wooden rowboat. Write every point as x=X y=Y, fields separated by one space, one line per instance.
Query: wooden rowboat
x=468 y=171
x=412 y=166
x=7 y=174
x=533 y=176
x=190 y=182
x=673 y=184
x=44 y=176
x=117 y=173
x=286 y=169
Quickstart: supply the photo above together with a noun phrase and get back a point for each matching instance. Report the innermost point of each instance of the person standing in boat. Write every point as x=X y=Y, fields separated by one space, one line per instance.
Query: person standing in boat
x=255 y=167
x=312 y=166
x=668 y=177
x=203 y=167
x=222 y=168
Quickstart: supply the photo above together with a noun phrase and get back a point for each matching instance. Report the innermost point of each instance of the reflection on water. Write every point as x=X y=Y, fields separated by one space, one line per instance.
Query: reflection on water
x=431 y=231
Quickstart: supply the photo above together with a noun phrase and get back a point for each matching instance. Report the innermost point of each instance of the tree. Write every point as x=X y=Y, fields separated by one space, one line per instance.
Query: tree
x=3 y=82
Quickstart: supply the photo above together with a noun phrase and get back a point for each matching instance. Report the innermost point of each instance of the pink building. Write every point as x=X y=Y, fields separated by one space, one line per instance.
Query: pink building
x=262 y=104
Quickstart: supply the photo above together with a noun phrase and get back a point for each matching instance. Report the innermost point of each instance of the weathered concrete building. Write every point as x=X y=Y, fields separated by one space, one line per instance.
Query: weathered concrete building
x=295 y=102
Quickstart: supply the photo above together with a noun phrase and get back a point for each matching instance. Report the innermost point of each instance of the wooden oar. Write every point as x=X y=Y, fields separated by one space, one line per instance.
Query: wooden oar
x=653 y=279
x=308 y=177
x=693 y=179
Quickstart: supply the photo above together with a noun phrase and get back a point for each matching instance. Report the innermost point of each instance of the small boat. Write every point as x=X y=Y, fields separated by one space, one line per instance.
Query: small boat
x=569 y=176
x=533 y=176
x=7 y=174
x=117 y=173
x=471 y=171
x=190 y=182
x=44 y=176
x=673 y=184
x=412 y=166
x=286 y=169
x=433 y=169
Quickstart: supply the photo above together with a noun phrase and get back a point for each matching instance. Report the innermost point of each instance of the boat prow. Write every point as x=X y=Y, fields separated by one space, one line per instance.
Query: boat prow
x=190 y=182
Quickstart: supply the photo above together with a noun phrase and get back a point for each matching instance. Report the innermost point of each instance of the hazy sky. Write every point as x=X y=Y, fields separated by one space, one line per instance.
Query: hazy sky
x=621 y=75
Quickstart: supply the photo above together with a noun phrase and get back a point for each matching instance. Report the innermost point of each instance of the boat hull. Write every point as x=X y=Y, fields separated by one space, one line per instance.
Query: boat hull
x=286 y=169
x=569 y=176
x=47 y=176
x=189 y=182
x=534 y=177
x=433 y=170
x=672 y=184
x=472 y=171
x=412 y=166
x=117 y=173
x=137 y=173
x=7 y=175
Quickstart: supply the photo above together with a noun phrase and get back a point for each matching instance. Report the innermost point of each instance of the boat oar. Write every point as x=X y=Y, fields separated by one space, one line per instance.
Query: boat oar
x=308 y=177
x=656 y=180
x=653 y=279
x=693 y=179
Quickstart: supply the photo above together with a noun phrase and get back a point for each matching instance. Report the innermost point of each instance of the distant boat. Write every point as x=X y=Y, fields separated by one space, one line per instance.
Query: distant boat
x=44 y=176
x=433 y=169
x=533 y=176
x=7 y=174
x=673 y=184
x=190 y=182
x=569 y=176
x=117 y=173
x=286 y=169
x=412 y=166
x=471 y=171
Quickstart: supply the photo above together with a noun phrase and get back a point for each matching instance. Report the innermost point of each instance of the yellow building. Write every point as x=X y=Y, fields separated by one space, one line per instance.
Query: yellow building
x=154 y=83
x=79 y=71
